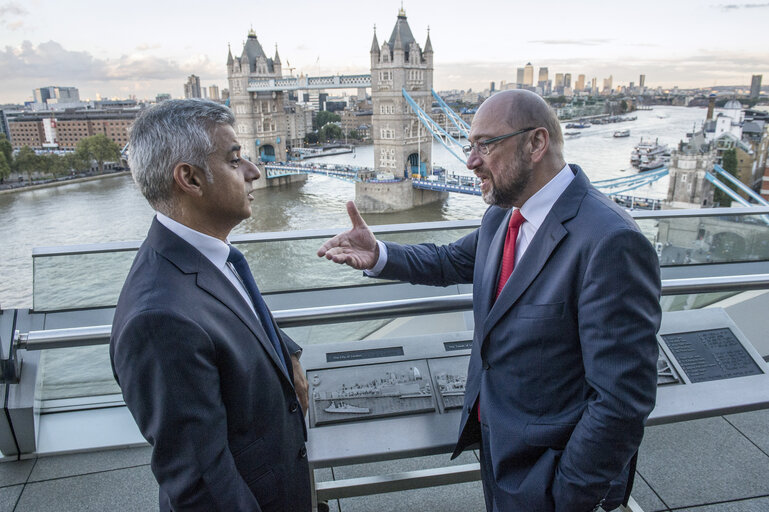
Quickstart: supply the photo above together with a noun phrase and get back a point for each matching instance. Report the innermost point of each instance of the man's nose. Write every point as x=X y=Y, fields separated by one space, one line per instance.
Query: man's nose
x=473 y=160
x=252 y=173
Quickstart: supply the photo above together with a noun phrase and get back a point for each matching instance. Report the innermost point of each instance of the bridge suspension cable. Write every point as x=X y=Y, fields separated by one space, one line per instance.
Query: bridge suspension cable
x=740 y=185
x=456 y=119
x=450 y=143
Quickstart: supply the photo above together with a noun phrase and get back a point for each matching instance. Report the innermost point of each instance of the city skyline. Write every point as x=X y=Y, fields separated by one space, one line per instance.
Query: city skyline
x=120 y=51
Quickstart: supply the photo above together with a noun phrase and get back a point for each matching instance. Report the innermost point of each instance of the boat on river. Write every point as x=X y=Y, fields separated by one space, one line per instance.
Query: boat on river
x=647 y=152
x=621 y=133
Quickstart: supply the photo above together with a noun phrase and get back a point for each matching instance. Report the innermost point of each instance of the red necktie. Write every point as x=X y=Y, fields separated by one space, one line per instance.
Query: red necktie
x=508 y=261
x=508 y=255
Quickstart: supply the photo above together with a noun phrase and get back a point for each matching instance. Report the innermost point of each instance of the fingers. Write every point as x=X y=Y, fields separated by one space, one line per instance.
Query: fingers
x=328 y=245
x=355 y=218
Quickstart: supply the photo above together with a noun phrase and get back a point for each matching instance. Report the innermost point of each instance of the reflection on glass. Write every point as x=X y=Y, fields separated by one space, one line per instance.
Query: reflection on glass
x=698 y=240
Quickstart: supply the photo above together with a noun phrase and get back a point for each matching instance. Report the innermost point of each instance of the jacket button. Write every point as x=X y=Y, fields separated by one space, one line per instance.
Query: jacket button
x=486 y=365
x=303 y=452
x=294 y=406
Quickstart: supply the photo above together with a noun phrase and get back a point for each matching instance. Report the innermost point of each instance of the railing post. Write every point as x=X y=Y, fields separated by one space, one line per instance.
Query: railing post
x=18 y=419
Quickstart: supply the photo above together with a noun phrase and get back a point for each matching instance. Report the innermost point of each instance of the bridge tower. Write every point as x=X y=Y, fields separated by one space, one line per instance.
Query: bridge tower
x=260 y=117
x=401 y=143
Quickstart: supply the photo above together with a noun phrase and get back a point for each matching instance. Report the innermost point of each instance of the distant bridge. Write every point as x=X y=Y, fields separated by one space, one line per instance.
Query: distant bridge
x=308 y=82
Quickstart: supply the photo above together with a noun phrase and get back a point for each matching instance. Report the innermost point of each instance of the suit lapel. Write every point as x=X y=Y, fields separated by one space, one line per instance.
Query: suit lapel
x=491 y=268
x=218 y=286
x=548 y=237
x=190 y=261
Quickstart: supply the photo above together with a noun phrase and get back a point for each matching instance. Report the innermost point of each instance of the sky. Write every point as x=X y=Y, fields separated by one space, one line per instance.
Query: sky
x=143 y=48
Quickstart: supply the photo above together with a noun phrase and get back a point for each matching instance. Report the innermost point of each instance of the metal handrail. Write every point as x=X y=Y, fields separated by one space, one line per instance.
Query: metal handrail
x=282 y=236
x=99 y=334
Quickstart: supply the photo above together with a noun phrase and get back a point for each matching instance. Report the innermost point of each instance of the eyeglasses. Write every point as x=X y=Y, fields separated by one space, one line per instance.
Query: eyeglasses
x=482 y=146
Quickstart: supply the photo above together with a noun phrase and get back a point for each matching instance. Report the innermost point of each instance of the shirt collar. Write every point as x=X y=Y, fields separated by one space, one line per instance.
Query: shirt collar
x=212 y=248
x=538 y=206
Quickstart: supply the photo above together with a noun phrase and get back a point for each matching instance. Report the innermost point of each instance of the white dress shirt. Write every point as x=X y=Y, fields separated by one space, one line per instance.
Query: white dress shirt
x=534 y=210
x=213 y=249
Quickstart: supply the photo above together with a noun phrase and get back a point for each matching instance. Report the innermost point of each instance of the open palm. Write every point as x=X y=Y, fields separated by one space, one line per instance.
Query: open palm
x=356 y=247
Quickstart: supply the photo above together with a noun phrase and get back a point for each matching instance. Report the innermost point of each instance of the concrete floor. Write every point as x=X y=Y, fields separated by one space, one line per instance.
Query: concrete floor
x=709 y=465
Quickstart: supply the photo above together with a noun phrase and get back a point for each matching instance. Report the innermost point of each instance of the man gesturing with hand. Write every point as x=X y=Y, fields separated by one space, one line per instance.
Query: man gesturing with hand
x=562 y=372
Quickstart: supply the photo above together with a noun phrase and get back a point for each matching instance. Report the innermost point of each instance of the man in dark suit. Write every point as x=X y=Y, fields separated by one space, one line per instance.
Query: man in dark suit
x=214 y=386
x=562 y=373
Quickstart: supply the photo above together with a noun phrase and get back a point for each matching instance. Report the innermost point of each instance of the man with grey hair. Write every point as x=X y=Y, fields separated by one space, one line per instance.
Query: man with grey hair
x=562 y=371
x=214 y=385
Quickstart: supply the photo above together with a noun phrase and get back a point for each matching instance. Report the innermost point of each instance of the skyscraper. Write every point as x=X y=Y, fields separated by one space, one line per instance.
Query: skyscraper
x=542 y=75
x=213 y=92
x=192 y=87
x=528 y=75
x=755 y=86
x=642 y=82
x=558 y=85
x=580 y=85
x=519 y=77
x=567 y=80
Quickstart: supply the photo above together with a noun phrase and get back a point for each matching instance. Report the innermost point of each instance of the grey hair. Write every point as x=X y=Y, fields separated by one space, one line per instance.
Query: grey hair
x=170 y=133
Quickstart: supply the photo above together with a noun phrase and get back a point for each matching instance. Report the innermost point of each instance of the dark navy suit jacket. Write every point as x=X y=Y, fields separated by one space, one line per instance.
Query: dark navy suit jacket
x=206 y=387
x=564 y=361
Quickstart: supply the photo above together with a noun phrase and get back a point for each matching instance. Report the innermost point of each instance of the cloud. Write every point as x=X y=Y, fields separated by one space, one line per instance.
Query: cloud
x=733 y=7
x=573 y=42
x=11 y=10
x=50 y=61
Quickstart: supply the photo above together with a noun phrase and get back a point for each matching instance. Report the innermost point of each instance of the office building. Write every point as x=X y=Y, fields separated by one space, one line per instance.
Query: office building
x=528 y=75
x=192 y=87
x=519 y=75
x=755 y=86
x=54 y=95
x=213 y=92
x=567 y=81
x=63 y=130
x=580 y=85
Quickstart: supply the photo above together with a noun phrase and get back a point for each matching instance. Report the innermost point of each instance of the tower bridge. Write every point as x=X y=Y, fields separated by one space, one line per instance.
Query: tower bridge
x=269 y=124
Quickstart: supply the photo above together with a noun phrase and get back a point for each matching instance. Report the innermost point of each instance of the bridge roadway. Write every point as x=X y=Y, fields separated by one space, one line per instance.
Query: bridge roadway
x=464 y=184
x=449 y=183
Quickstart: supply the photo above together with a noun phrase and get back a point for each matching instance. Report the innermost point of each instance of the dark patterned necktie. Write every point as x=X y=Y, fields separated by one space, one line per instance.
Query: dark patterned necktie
x=241 y=267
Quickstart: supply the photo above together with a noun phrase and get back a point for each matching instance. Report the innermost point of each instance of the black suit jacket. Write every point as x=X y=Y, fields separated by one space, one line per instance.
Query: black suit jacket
x=205 y=386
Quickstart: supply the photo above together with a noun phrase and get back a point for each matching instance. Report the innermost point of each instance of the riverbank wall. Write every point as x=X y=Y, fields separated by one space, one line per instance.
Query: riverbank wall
x=50 y=184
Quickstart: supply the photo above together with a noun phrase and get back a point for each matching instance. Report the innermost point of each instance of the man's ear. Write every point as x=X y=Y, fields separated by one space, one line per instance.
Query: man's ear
x=540 y=141
x=188 y=178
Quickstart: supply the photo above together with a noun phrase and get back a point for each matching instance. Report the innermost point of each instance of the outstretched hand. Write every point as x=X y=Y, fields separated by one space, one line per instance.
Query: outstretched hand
x=356 y=247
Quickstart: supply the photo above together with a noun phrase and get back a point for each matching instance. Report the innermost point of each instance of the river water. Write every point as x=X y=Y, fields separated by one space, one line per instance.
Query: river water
x=112 y=209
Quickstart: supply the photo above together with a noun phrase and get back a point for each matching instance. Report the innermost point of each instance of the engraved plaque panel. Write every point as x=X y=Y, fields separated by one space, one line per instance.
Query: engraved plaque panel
x=712 y=354
x=357 y=355
x=450 y=346
x=449 y=377
x=358 y=393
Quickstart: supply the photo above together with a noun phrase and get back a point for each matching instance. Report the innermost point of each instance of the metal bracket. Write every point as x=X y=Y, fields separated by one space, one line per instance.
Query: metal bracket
x=10 y=367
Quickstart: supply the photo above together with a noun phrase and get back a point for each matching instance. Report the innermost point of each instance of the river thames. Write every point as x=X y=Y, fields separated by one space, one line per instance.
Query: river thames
x=112 y=209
